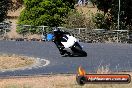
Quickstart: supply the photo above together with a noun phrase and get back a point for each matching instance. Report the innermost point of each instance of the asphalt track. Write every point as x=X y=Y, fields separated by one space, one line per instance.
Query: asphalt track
x=117 y=57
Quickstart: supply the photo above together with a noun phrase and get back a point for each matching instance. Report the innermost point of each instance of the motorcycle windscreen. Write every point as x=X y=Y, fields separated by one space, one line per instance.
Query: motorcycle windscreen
x=69 y=41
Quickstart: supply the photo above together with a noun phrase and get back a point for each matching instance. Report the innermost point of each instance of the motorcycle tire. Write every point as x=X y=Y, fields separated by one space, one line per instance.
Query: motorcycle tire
x=79 y=51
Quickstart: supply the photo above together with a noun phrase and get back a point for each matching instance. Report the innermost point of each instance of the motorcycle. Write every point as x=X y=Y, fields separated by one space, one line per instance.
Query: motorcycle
x=67 y=44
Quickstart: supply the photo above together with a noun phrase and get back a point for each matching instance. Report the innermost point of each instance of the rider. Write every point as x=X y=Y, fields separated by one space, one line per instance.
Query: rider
x=58 y=34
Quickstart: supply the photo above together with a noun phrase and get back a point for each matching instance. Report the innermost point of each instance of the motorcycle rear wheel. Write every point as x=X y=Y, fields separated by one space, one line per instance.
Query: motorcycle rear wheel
x=79 y=51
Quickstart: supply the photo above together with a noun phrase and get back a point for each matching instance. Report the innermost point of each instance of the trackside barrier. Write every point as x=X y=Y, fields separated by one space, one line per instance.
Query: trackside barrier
x=83 y=34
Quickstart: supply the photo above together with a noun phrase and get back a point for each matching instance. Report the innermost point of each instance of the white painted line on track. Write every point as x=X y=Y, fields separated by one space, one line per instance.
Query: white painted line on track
x=42 y=62
x=47 y=62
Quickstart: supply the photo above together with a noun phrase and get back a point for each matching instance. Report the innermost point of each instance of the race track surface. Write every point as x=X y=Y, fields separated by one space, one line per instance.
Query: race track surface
x=117 y=57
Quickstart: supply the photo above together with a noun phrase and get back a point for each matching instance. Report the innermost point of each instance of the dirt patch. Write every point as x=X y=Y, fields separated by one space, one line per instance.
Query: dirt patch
x=8 y=62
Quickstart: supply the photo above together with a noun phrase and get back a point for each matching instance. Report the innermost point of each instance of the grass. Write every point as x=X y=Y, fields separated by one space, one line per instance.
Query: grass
x=56 y=81
x=53 y=81
x=17 y=86
x=103 y=70
x=8 y=62
x=47 y=81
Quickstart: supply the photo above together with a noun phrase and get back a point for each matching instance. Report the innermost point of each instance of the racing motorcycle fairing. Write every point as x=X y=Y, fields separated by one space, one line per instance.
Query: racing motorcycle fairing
x=68 y=45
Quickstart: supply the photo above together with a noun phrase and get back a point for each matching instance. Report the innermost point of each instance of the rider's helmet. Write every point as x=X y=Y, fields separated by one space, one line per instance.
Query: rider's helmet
x=57 y=31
